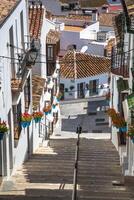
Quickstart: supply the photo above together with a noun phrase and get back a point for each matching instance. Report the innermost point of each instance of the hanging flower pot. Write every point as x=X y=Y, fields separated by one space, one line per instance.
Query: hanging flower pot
x=55 y=108
x=132 y=139
x=37 y=120
x=123 y=129
x=26 y=119
x=131 y=132
x=59 y=96
x=3 y=129
x=37 y=116
x=1 y=136
x=24 y=124
x=47 y=109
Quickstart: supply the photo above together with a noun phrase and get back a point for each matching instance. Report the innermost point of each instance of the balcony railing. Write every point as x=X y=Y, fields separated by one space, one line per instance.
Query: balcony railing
x=120 y=63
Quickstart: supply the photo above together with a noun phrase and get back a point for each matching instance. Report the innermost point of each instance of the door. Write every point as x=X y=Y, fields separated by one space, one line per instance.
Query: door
x=62 y=90
x=80 y=89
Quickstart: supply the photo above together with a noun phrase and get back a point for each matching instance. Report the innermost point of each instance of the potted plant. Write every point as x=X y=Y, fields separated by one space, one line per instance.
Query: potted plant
x=47 y=109
x=37 y=116
x=26 y=119
x=131 y=133
x=3 y=129
x=117 y=120
x=59 y=96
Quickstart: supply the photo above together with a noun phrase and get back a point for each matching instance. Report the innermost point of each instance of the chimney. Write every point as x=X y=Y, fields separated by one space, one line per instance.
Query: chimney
x=105 y=9
x=94 y=15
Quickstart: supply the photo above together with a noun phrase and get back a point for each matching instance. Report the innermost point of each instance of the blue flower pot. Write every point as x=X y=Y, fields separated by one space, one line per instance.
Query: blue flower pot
x=24 y=124
x=54 y=106
x=123 y=129
x=37 y=120
x=132 y=139
x=28 y=124
x=1 y=136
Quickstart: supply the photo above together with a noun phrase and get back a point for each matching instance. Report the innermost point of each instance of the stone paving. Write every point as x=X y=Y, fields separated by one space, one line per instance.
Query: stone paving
x=48 y=174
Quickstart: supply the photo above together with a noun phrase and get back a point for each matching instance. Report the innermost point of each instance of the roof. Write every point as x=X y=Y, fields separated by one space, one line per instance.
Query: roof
x=92 y=3
x=36 y=13
x=73 y=28
x=53 y=37
x=86 y=65
x=113 y=8
x=68 y=1
x=106 y=19
x=74 y=21
x=6 y=7
x=38 y=84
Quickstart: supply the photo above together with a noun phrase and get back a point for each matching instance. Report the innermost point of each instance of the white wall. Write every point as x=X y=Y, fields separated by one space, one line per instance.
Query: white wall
x=6 y=103
x=90 y=32
x=68 y=38
x=103 y=79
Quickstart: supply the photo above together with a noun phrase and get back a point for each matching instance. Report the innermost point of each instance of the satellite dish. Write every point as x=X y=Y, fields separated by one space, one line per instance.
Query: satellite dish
x=83 y=49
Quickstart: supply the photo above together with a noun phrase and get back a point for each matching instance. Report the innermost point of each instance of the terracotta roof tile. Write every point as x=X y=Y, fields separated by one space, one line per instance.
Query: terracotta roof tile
x=38 y=86
x=87 y=3
x=36 y=13
x=86 y=65
x=106 y=19
x=92 y=3
x=6 y=6
x=53 y=37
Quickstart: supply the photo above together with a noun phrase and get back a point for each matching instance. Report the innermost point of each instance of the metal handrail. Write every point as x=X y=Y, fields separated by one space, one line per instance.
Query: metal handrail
x=74 y=193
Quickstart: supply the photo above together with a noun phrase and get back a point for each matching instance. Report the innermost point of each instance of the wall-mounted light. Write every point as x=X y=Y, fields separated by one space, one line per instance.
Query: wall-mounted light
x=31 y=55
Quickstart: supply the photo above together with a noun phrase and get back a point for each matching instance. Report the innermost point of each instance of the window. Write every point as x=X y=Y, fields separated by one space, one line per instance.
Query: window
x=101 y=36
x=93 y=87
x=11 y=42
x=50 y=52
x=17 y=120
x=22 y=29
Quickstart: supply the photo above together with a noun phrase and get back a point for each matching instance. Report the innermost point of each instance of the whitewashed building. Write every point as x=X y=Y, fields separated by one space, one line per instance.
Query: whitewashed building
x=83 y=75
x=15 y=92
x=82 y=32
x=122 y=87
x=43 y=31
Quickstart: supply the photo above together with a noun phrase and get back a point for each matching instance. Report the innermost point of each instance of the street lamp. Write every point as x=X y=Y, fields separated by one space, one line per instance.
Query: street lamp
x=31 y=55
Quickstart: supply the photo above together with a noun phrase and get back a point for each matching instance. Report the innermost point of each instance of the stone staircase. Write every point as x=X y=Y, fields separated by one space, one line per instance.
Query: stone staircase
x=98 y=169
x=48 y=174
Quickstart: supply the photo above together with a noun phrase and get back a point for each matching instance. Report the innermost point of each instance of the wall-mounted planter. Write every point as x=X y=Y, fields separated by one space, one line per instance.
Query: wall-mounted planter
x=1 y=136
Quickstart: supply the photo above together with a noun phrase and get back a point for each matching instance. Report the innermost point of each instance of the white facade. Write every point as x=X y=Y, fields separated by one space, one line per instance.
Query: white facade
x=12 y=156
x=102 y=80
x=86 y=37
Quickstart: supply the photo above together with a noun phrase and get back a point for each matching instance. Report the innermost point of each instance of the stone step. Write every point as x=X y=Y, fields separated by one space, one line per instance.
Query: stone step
x=103 y=198
x=22 y=197
x=96 y=193
x=57 y=193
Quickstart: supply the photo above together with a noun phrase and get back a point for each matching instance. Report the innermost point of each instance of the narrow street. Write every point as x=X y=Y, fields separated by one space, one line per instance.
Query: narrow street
x=49 y=173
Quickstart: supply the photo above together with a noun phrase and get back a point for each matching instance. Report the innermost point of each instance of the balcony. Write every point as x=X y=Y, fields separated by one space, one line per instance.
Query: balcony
x=120 y=63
